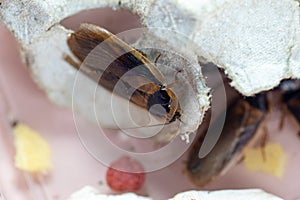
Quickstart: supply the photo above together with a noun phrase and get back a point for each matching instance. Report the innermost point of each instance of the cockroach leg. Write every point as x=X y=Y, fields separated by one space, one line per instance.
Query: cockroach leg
x=141 y=52
x=176 y=79
x=281 y=122
x=264 y=143
x=156 y=59
x=72 y=62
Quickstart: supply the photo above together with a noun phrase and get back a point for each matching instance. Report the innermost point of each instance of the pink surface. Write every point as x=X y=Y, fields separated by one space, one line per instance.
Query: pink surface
x=74 y=167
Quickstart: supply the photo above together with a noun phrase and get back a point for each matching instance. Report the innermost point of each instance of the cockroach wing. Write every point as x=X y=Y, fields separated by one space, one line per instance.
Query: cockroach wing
x=244 y=120
x=109 y=60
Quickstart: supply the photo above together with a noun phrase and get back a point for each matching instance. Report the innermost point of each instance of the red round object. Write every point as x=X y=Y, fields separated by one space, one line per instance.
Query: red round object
x=125 y=175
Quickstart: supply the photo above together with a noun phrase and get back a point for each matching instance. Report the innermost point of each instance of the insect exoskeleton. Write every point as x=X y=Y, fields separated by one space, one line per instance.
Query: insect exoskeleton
x=244 y=125
x=109 y=61
x=244 y=120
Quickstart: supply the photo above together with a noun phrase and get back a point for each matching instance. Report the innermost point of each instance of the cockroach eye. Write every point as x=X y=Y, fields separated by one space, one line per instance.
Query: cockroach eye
x=161 y=98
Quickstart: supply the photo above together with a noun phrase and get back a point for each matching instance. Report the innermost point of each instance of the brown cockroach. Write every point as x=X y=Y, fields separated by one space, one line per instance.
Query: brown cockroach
x=244 y=125
x=244 y=117
x=109 y=61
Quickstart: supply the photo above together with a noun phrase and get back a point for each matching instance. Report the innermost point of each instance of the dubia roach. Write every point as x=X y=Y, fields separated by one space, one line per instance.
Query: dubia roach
x=110 y=61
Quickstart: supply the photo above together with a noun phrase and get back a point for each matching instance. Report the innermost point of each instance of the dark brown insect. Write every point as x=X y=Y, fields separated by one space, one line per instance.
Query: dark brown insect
x=243 y=120
x=243 y=126
x=123 y=70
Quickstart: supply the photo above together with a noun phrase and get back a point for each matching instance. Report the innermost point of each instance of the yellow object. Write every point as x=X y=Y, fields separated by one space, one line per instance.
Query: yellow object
x=270 y=159
x=32 y=151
